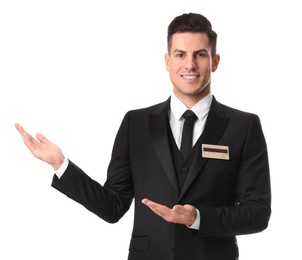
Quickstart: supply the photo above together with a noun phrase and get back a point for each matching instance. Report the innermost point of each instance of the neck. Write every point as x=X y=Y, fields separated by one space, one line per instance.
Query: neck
x=191 y=100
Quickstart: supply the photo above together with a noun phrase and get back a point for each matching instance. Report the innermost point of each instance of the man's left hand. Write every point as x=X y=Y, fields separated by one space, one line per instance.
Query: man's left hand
x=179 y=214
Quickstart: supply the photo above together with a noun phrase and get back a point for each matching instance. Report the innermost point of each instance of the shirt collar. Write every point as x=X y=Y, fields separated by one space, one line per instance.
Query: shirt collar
x=201 y=108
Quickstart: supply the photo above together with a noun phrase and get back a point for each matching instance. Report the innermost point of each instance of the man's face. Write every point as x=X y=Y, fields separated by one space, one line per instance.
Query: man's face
x=190 y=65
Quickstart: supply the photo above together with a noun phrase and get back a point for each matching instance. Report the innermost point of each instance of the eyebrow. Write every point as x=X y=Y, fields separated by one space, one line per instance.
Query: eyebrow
x=198 y=51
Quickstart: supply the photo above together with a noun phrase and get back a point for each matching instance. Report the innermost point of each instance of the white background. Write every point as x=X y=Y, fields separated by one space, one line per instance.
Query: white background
x=66 y=66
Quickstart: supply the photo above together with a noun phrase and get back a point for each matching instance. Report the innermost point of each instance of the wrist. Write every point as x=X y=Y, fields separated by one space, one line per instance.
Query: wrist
x=196 y=223
x=58 y=163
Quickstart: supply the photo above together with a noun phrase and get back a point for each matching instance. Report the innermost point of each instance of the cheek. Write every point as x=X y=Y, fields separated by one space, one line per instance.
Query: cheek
x=172 y=67
x=175 y=67
x=206 y=68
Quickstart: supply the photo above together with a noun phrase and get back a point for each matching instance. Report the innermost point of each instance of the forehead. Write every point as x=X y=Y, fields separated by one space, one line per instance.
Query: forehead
x=189 y=41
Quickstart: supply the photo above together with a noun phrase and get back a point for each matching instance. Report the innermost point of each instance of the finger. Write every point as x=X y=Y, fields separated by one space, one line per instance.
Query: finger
x=179 y=209
x=149 y=203
x=41 y=138
x=153 y=205
x=163 y=212
x=159 y=209
x=156 y=206
x=186 y=210
x=27 y=138
x=19 y=128
x=186 y=214
x=146 y=201
x=182 y=209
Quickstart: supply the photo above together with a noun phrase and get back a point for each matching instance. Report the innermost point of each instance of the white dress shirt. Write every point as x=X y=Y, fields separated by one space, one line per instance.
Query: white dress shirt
x=201 y=110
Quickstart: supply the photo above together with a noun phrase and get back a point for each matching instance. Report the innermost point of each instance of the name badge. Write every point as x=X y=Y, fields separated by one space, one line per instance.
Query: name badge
x=215 y=151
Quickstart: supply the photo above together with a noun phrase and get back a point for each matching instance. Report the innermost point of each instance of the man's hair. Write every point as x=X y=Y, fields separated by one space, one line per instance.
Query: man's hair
x=192 y=22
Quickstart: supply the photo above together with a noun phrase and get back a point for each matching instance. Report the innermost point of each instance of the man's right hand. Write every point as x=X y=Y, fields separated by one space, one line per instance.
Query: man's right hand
x=42 y=149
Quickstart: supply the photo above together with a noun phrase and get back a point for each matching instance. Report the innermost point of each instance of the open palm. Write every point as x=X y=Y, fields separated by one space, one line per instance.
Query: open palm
x=42 y=148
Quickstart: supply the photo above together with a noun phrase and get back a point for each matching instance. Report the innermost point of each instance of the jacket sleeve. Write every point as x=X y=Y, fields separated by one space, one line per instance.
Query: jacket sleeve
x=112 y=200
x=252 y=208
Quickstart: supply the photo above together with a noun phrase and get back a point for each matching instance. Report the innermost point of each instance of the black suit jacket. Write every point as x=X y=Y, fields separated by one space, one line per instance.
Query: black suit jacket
x=233 y=196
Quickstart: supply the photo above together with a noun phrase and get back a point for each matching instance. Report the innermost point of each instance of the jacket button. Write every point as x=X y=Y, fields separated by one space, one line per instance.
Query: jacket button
x=184 y=169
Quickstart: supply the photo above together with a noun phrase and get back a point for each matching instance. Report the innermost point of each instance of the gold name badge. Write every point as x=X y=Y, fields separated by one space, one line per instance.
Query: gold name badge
x=215 y=151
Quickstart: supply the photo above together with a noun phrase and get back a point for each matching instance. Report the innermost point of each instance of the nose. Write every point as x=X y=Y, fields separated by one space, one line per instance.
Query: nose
x=191 y=63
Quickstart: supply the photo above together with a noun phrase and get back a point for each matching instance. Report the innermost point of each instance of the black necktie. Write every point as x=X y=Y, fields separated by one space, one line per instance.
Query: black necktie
x=187 y=133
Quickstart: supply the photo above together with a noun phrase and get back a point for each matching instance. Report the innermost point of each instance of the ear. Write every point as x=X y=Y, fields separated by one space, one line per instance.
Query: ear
x=215 y=62
x=167 y=61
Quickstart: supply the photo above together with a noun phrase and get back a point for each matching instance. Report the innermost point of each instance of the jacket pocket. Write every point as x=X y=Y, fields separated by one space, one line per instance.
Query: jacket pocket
x=139 y=244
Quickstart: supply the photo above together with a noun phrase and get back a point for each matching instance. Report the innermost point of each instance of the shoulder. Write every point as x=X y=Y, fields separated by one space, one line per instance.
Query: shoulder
x=238 y=119
x=229 y=111
x=153 y=109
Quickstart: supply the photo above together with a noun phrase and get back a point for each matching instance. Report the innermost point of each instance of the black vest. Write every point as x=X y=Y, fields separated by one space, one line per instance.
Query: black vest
x=182 y=165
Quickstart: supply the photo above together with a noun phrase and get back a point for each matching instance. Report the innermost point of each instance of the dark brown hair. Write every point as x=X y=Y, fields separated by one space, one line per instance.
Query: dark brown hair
x=192 y=22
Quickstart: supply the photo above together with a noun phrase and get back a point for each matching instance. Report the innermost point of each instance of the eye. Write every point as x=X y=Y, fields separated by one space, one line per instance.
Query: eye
x=179 y=55
x=201 y=54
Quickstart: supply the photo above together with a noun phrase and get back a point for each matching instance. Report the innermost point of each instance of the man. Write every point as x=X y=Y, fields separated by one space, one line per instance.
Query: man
x=188 y=204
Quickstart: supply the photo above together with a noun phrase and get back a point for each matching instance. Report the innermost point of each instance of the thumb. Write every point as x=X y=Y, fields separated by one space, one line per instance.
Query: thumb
x=178 y=208
x=41 y=138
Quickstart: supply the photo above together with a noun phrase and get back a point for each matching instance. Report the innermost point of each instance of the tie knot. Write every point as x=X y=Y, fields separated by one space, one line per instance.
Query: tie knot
x=189 y=114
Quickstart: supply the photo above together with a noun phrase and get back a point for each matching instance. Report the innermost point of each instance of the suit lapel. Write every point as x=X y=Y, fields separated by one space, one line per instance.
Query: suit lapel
x=215 y=126
x=159 y=135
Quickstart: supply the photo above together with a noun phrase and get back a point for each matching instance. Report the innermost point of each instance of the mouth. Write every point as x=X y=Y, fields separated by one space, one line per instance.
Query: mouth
x=190 y=77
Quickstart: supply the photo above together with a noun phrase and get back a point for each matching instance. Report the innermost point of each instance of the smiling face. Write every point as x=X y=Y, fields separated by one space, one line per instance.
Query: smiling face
x=190 y=65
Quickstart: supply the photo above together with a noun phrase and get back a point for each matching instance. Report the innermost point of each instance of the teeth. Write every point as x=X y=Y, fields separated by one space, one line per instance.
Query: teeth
x=189 y=77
